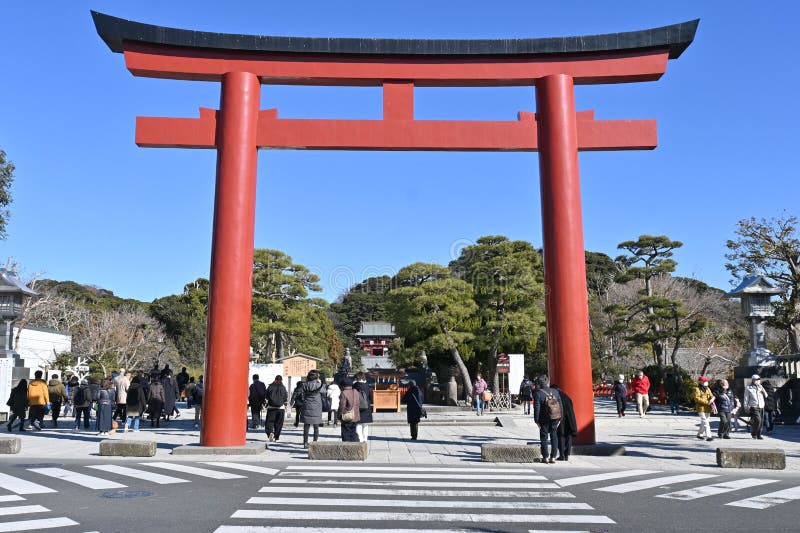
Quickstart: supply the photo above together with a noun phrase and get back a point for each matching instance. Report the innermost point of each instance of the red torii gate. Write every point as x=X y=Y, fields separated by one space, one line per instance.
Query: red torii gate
x=243 y=62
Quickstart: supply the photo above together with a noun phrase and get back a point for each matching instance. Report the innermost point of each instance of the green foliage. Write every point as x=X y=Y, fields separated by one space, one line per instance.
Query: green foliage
x=601 y=271
x=6 y=179
x=184 y=318
x=364 y=302
x=87 y=296
x=771 y=247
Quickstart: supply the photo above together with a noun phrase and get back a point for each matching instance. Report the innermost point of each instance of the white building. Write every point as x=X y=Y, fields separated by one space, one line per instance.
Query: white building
x=38 y=347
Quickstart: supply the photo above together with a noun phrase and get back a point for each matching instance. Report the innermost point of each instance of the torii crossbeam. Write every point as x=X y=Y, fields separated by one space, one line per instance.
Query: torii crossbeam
x=243 y=62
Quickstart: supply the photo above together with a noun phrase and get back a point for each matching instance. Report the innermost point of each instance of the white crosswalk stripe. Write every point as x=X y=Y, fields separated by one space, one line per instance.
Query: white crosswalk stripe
x=21 y=486
x=380 y=468
x=719 y=488
x=472 y=504
x=244 y=466
x=390 y=482
x=404 y=475
x=36 y=525
x=369 y=516
x=624 y=488
x=203 y=472
x=139 y=474
x=579 y=480
x=90 y=482
x=422 y=492
x=289 y=529
x=22 y=509
x=11 y=498
x=768 y=500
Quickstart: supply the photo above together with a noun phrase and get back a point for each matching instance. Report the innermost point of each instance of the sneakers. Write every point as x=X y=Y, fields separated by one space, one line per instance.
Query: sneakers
x=305 y=445
x=709 y=439
x=271 y=437
x=197 y=426
x=552 y=460
x=126 y=429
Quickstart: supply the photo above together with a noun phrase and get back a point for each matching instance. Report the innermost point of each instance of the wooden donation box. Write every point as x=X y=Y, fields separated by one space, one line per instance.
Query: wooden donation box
x=386 y=398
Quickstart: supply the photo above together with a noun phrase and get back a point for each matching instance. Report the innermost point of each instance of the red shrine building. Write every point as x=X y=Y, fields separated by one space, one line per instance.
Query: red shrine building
x=375 y=338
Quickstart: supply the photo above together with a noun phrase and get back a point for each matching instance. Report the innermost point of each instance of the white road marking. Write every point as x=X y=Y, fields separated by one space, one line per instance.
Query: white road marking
x=244 y=466
x=22 y=509
x=204 y=472
x=356 y=468
x=392 y=483
x=139 y=474
x=368 y=516
x=35 y=525
x=475 y=504
x=653 y=483
x=555 y=531
x=424 y=492
x=719 y=488
x=11 y=498
x=289 y=529
x=90 y=482
x=579 y=480
x=20 y=486
x=770 y=499
x=401 y=475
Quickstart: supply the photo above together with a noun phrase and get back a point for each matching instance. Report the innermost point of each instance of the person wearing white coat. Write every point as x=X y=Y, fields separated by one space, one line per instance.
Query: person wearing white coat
x=333 y=393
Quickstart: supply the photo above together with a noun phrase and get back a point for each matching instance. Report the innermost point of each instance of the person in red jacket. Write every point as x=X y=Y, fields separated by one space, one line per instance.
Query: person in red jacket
x=641 y=386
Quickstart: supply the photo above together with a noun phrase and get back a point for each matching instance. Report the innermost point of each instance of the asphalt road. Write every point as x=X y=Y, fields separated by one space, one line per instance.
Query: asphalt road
x=171 y=496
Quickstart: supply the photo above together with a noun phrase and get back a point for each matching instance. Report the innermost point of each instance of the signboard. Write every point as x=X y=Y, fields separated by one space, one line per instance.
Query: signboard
x=517 y=372
x=503 y=364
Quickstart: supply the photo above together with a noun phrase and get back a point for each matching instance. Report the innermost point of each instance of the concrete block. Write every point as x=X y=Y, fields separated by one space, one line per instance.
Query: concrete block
x=10 y=445
x=766 y=458
x=128 y=448
x=600 y=450
x=510 y=453
x=338 y=451
x=251 y=448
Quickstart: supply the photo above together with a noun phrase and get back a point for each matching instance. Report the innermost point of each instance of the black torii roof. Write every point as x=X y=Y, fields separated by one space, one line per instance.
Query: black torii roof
x=676 y=37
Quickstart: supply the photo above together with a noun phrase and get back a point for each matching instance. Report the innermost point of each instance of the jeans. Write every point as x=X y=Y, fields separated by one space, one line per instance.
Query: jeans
x=705 y=427
x=642 y=403
x=135 y=420
x=82 y=411
x=769 y=421
x=548 y=429
x=480 y=405
x=673 y=405
x=724 y=429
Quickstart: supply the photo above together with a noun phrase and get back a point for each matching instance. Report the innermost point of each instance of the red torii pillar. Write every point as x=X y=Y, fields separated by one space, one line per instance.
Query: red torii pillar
x=241 y=63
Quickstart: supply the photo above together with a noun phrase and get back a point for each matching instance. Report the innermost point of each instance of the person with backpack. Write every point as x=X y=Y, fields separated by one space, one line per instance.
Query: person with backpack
x=18 y=402
x=134 y=404
x=58 y=396
x=197 y=401
x=349 y=410
x=568 y=428
x=256 y=398
x=297 y=401
x=155 y=401
x=311 y=411
x=547 y=413
x=526 y=394
x=81 y=403
x=277 y=398
x=364 y=406
x=72 y=385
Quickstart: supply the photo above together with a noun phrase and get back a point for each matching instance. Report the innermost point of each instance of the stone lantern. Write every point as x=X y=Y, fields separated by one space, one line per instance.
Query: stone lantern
x=755 y=293
x=12 y=294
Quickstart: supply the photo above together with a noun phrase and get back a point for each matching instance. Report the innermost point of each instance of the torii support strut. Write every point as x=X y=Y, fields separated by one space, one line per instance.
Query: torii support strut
x=239 y=128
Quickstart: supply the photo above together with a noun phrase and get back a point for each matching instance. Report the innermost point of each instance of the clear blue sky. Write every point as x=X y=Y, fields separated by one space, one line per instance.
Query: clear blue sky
x=90 y=206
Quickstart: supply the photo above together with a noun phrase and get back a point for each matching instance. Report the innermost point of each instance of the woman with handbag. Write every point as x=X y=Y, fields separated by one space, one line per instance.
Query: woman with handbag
x=349 y=410
x=312 y=391
x=414 y=411
x=478 y=388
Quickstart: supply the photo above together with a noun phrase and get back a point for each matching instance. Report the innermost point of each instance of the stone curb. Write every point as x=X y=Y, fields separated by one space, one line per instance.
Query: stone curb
x=10 y=445
x=510 y=453
x=128 y=448
x=338 y=451
x=766 y=458
x=196 y=449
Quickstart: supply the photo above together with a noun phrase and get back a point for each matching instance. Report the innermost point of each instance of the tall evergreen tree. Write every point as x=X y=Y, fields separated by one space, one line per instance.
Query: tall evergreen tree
x=6 y=179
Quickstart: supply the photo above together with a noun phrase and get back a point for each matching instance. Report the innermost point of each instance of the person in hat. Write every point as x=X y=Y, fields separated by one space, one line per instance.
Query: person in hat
x=754 y=400
x=704 y=405
x=621 y=395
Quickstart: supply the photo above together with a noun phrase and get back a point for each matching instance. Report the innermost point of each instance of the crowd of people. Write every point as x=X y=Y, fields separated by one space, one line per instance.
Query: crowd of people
x=110 y=401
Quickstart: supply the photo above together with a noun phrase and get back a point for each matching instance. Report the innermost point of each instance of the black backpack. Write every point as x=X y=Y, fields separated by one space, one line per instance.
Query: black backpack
x=80 y=396
x=274 y=396
x=133 y=396
x=364 y=401
x=197 y=393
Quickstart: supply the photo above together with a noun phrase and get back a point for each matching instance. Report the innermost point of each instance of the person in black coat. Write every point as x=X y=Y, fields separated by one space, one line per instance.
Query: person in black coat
x=770 y=407
x=365 y=407
x=170 y=395
x=526 y=394
x=276 y=397
x=621 y=395
x=568 y=428
x=18 y=402
x=546 y=419
x=413 y=399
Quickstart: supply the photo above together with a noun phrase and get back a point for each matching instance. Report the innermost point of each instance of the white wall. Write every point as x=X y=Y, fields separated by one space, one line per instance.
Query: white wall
x=516 y=371
x=38 y=347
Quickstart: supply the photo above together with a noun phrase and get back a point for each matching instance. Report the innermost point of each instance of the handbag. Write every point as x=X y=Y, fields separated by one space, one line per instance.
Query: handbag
x=422 y=412
x=326 y=404
x=350 y=414
x=487 y=396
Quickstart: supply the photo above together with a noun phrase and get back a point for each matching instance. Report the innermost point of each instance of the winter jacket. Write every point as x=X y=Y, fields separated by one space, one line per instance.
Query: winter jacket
x=18 y=400
x=568 y=425
x=724 y=401
x=170 y=393
x=122 y=383
x=640 y=386
x=754 y=396
x=311 y=410
x=620 y=390
x=106 y=397
x=94 y=389
x=277 y=396
x=349 y=399
x=540 y=415
x=87 y=396
x=135 y=401
x=38 y=393
x=257 y=394
x=703 y=399
x=333 y=393
x=156 y=392
x=366 y=410
x=770 y=403
x=57 y=391
x=413 y=399
x=526 y=390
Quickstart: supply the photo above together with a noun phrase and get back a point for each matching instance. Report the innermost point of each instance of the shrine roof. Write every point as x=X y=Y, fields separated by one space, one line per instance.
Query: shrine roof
x=755 y=284
x=676 y=37
x=376 y=329
x=10 y=283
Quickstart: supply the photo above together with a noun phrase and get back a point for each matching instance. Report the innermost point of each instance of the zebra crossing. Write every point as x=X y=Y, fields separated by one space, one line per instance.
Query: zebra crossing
x=710 y=486
x=32 y=480
x=413 y=498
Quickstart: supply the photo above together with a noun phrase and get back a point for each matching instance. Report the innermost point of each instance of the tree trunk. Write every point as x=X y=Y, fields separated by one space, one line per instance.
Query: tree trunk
x=495 y=377
x=279 y=345
x=794 y=337
x=463 y=369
